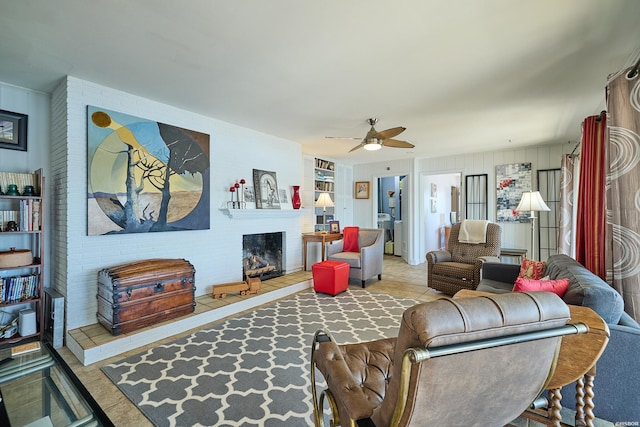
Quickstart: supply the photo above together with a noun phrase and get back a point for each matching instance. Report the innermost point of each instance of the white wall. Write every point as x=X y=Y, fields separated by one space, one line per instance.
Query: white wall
x=434 y=222
x=514 y=235
x=36 y=105
x=365 y=211
x=215 y=253
x=57 y=143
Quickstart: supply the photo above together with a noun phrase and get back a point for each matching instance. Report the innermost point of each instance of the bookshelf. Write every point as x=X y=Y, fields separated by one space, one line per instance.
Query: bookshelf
x=324 y=182
x=22 y=281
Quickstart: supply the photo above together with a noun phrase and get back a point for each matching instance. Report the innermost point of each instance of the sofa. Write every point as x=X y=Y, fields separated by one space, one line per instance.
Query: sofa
x=618 y=371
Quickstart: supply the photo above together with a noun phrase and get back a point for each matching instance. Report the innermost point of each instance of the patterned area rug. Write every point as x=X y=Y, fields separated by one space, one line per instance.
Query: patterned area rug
x=252 y=369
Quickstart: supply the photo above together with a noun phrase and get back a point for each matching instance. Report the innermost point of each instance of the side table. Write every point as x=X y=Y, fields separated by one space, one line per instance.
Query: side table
x=320 y=237
x=513 y=253
x=576 y=363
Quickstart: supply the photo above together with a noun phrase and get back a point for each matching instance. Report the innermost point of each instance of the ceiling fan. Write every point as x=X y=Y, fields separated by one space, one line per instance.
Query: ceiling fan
x=374 y=140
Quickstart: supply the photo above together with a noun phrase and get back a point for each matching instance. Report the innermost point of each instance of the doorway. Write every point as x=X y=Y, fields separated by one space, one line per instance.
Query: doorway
x=390 y=214
x=440 y=208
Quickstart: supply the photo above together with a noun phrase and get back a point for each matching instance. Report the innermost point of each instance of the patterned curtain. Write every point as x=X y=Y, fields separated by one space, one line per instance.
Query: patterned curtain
x=569 y=174
x=591 y=220
x=623 y=181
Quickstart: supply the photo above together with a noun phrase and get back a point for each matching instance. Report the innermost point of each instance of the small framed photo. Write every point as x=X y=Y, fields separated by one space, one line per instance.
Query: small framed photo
x=362 y=189
x=13 y=130
x=334 y=227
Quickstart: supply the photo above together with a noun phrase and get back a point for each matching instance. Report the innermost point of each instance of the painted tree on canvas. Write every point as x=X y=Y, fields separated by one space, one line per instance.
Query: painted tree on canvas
x=145 y=176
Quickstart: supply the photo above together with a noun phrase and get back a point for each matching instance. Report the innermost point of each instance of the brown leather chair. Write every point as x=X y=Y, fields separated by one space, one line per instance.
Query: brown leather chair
x=459 y=267
x=470 y=362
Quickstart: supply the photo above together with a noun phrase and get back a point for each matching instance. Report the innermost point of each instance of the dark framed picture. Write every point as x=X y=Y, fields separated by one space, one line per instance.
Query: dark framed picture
x=334 y=227
x=362 y=189
x=266 y=188
x=13 y=130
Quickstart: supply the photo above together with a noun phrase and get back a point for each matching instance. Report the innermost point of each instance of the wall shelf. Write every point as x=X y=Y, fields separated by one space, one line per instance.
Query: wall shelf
x=24 y=289
x=262 y=213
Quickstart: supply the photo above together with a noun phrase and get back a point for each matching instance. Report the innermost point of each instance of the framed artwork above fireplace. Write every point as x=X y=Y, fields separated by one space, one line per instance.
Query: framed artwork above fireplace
x=266 y=188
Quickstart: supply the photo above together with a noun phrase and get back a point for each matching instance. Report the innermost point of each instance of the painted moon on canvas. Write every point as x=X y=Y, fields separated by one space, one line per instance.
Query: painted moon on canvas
x=144 y=176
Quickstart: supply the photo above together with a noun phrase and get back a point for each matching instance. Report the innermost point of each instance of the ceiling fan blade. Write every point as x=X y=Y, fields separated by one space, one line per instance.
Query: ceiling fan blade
x=397 y=143
x=390 y=133
x=356 y=147
x=341 y=137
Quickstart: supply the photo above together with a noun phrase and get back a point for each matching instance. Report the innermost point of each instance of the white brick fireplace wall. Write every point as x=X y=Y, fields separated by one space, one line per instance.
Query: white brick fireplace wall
x=216 y=253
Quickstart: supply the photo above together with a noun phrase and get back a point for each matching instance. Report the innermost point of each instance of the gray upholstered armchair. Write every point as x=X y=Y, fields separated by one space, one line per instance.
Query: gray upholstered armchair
x=459 y=267
x=368 y=261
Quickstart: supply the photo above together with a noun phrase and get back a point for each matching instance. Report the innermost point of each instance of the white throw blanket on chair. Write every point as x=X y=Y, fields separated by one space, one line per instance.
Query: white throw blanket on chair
x=473 y=231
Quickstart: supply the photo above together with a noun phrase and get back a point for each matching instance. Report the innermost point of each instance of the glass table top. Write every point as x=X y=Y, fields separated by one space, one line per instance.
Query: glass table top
x=38 y=389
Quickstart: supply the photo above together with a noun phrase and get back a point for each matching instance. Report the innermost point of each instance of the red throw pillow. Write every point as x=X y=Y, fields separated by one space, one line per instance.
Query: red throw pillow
x=531 y=269
x=350 y=236
x=558 y=287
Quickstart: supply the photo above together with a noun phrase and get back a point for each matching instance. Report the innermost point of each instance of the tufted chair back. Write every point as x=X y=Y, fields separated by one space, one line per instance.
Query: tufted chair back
x=468 y=252
x=471 y=362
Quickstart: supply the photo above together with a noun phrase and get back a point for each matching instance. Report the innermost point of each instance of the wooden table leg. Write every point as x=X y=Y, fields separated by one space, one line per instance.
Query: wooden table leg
x=584 y=400
x=579 y=420
x=554 y=407
x=304 y=255
x=588 y=409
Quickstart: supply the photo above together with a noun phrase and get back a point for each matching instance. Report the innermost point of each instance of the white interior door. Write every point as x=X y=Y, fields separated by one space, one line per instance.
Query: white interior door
x=404 y=185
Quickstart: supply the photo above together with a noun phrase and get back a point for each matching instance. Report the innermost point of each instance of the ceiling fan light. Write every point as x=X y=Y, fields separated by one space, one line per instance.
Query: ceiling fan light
x=373 y=144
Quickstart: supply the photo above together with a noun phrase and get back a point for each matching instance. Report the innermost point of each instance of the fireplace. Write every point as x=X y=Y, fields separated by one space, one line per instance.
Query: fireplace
x=262 y=255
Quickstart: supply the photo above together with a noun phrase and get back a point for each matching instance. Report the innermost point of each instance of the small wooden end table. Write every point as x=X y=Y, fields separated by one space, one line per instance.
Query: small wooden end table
x=320 y=237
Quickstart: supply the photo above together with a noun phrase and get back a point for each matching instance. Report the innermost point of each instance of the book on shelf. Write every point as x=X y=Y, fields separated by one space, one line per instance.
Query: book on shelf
x=18 y=288
x=324 y=164
x=29 y=215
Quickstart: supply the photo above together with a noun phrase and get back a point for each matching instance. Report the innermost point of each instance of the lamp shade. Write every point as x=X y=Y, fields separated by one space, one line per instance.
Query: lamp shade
x=324 y=201
x=532 y=201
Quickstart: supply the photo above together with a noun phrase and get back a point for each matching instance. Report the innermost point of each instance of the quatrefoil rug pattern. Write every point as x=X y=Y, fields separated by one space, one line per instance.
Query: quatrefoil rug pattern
x=252 y=369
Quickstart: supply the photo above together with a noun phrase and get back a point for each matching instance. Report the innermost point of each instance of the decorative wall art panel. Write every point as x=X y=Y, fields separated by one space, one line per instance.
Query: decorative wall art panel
x=266 y=188
x=144 y=176
x=511 y=181
x=13 y=130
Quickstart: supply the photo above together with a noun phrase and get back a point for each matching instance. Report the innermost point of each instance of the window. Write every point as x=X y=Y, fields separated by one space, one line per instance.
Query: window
x=548 y=226
x=476 y=206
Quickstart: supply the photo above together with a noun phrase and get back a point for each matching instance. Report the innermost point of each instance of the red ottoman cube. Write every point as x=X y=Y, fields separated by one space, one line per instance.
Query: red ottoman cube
x=330 y=277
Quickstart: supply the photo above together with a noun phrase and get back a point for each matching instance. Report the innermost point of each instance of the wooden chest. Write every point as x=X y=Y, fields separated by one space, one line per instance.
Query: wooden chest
x=143 y=293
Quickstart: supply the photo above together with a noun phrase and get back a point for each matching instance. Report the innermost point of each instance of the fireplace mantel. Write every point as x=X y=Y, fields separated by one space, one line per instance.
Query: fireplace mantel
x=262 y=213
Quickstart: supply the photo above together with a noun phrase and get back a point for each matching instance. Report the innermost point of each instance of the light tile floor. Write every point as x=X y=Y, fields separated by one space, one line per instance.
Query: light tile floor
x=398 y=279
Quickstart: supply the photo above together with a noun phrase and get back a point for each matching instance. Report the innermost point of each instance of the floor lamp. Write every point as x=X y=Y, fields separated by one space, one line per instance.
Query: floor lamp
x=532 y=202
x=324 y=201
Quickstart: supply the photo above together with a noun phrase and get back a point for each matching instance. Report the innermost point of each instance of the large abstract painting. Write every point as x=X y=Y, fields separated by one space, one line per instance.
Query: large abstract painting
x=144 y=176
x=511 y=181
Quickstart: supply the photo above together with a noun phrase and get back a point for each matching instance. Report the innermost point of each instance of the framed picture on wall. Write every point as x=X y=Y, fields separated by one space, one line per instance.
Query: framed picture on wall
x=334 y=227
x=266 y=188
x=362 y=189
x=13 y=130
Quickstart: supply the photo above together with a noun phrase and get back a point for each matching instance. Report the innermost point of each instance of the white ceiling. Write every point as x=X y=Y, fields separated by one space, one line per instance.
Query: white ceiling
x=460 y=75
